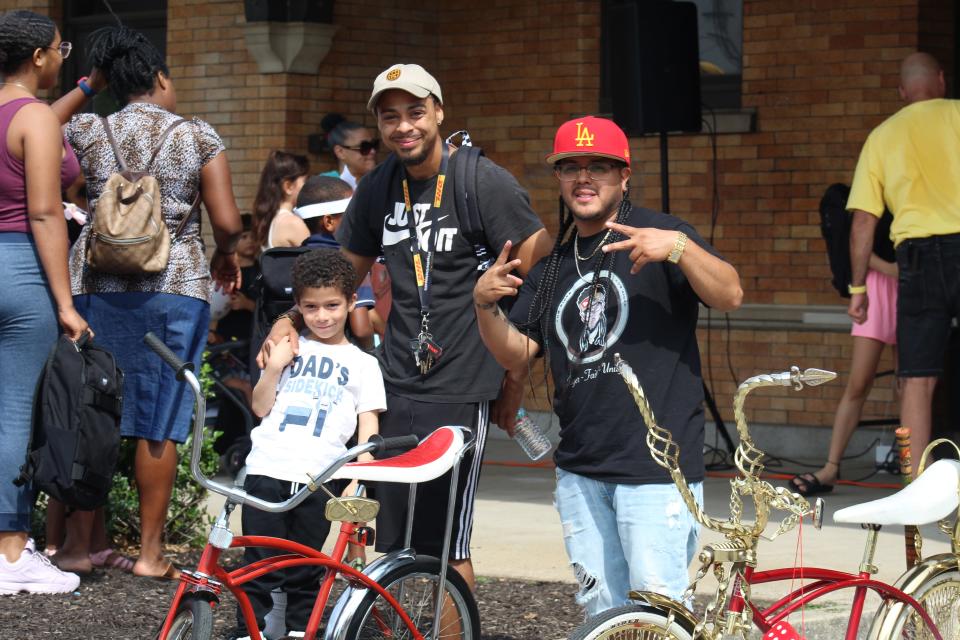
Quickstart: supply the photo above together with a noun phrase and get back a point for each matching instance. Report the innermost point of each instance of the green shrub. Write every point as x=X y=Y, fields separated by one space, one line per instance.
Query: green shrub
x=187 y=518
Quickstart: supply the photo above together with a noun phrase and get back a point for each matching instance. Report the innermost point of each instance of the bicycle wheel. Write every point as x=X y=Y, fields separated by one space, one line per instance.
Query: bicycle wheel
x=414 y=586
x=193 y=621
x=940 y=596
x=632 y=622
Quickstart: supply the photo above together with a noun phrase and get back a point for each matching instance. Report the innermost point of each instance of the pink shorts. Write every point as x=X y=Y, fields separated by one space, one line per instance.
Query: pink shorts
x=881 y=321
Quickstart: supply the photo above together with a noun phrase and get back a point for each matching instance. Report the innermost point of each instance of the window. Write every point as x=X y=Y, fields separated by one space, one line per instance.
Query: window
x=83 y=17
x=720 y=27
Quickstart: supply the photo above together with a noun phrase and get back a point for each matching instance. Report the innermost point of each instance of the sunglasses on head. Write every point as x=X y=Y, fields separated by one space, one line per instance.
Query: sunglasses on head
x=365 y=147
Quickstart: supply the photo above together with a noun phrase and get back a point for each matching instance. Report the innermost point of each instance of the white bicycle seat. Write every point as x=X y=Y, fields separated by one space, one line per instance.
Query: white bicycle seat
x=433 y=457
x=929 y=498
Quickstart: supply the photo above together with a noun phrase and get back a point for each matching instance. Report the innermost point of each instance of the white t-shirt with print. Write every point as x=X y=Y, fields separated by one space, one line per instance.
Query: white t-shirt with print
x=319 y=396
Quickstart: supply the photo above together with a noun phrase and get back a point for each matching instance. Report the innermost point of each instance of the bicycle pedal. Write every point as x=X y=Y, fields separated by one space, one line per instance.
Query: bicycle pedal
x=783 y=631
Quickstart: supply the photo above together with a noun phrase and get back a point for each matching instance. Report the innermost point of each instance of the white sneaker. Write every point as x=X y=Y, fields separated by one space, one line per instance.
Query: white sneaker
x=34 y=573
x=296 y=634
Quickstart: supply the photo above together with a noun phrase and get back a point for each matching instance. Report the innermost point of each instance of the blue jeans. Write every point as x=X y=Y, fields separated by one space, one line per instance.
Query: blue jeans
x=28 y=329
x=623 y=536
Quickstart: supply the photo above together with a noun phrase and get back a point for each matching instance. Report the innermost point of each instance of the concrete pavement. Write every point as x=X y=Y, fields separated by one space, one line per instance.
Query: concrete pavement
x=518 y=535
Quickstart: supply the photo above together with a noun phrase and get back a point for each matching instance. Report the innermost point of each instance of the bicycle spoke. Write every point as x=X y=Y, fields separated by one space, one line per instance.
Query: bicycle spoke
x=942 y=603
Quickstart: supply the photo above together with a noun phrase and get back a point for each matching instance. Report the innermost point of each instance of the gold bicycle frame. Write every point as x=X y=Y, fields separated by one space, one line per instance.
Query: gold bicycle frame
x=740 y=550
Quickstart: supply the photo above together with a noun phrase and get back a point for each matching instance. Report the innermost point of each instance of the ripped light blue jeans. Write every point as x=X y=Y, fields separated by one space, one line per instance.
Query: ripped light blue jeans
x=624 y=536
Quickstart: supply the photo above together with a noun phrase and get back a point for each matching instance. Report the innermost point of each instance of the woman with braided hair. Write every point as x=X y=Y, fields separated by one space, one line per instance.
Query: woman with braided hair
x=187 y=158
x=625 y=280
x=35 y=164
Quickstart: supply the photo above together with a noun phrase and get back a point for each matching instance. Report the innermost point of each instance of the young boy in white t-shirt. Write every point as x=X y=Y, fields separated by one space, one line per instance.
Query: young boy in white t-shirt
x=311 y=405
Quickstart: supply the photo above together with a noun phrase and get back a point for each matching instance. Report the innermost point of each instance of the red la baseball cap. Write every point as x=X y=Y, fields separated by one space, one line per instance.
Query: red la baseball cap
x=590 y=136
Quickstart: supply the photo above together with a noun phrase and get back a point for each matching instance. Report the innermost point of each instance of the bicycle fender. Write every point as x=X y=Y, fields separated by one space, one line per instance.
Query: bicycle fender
x=891 y=613
x=349 y=600
x=684 y=617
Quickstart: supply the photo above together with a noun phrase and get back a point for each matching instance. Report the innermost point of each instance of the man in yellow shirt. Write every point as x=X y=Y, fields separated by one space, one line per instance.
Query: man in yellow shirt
x=911 y=163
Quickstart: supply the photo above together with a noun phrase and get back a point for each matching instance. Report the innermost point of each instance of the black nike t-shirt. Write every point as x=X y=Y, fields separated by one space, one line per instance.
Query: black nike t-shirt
x=375 y=222
x=650 y=319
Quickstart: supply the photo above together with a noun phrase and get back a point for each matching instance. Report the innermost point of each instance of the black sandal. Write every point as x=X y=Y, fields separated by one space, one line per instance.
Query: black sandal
x=807 y=484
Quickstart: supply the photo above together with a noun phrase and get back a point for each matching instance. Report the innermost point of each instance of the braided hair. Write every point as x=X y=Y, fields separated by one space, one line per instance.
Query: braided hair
x=539 y=317
x=21 y=33
x=129 y=61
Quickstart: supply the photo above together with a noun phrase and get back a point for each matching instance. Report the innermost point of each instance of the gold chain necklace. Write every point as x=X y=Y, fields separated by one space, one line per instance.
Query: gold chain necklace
x=576 y=246
x=17 y=84
x=576 y=251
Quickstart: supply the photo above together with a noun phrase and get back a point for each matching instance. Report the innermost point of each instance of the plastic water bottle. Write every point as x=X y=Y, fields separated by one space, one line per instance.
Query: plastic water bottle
x=530 y=436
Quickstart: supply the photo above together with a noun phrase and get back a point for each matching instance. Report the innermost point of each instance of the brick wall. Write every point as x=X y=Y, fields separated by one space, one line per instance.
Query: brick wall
x=819 y=74
x=819 y=78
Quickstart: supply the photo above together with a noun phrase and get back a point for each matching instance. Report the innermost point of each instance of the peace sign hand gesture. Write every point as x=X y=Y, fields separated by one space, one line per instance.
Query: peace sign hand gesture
x=497 y=281
x=645 y=244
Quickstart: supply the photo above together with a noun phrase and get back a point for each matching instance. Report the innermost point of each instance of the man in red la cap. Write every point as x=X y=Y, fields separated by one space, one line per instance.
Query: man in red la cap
x=405 y=209
x=627 y=280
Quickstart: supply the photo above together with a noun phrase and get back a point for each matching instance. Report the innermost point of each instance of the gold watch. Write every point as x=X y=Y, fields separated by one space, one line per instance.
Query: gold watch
x=678 y=248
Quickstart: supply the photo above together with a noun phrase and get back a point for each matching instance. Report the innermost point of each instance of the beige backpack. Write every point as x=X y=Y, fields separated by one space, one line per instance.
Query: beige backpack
x=129 y=235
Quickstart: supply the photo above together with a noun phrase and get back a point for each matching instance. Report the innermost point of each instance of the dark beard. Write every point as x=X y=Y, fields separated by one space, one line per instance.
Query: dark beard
x=420 y=158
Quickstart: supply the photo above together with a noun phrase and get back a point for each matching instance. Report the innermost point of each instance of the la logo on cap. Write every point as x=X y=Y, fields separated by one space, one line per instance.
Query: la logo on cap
x=393 y=74
x=583 y=138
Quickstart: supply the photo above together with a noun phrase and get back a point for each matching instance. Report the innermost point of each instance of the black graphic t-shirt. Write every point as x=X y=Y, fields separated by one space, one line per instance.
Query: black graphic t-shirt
x=650 y=319
x=466 y=372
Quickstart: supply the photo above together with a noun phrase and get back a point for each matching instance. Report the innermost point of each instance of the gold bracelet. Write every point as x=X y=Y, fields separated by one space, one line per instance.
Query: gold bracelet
x=855 y=289
x=678 y=248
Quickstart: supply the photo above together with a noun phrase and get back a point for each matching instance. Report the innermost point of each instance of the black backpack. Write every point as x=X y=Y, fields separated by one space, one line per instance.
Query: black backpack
x=835 y=223
x=75 y=440
x=835 y=227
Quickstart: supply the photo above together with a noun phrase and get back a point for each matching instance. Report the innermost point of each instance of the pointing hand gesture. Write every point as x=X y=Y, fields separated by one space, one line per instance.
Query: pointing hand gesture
x=645 y=244
x=498 y=281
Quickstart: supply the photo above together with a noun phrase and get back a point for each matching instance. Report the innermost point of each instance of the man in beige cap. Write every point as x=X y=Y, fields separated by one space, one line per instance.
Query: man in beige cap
x=435 y=367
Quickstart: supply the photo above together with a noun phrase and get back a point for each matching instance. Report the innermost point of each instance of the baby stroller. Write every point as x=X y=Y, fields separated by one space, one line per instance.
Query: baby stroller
x=274 y=296
x=227 y=411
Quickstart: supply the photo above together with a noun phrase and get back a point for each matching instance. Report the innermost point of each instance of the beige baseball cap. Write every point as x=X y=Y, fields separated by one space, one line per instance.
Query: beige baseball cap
x=411 y=78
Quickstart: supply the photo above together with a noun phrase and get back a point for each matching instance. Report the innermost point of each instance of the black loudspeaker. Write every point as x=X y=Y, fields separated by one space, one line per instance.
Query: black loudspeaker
x=652 y=69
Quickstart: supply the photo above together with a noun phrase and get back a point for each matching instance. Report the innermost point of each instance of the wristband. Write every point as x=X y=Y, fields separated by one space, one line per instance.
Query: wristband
x=486 y=306
x=855 y=289
x=678 y=248
x=86 y=88
x=285 y=314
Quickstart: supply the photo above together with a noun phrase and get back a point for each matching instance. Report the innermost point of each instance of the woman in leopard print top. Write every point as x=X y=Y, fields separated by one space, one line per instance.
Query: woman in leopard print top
x=174 y=304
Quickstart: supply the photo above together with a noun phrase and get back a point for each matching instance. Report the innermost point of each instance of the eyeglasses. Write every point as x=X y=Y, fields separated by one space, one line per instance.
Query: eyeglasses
x=596 y=171
x=65 y=48
x=365 y=147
